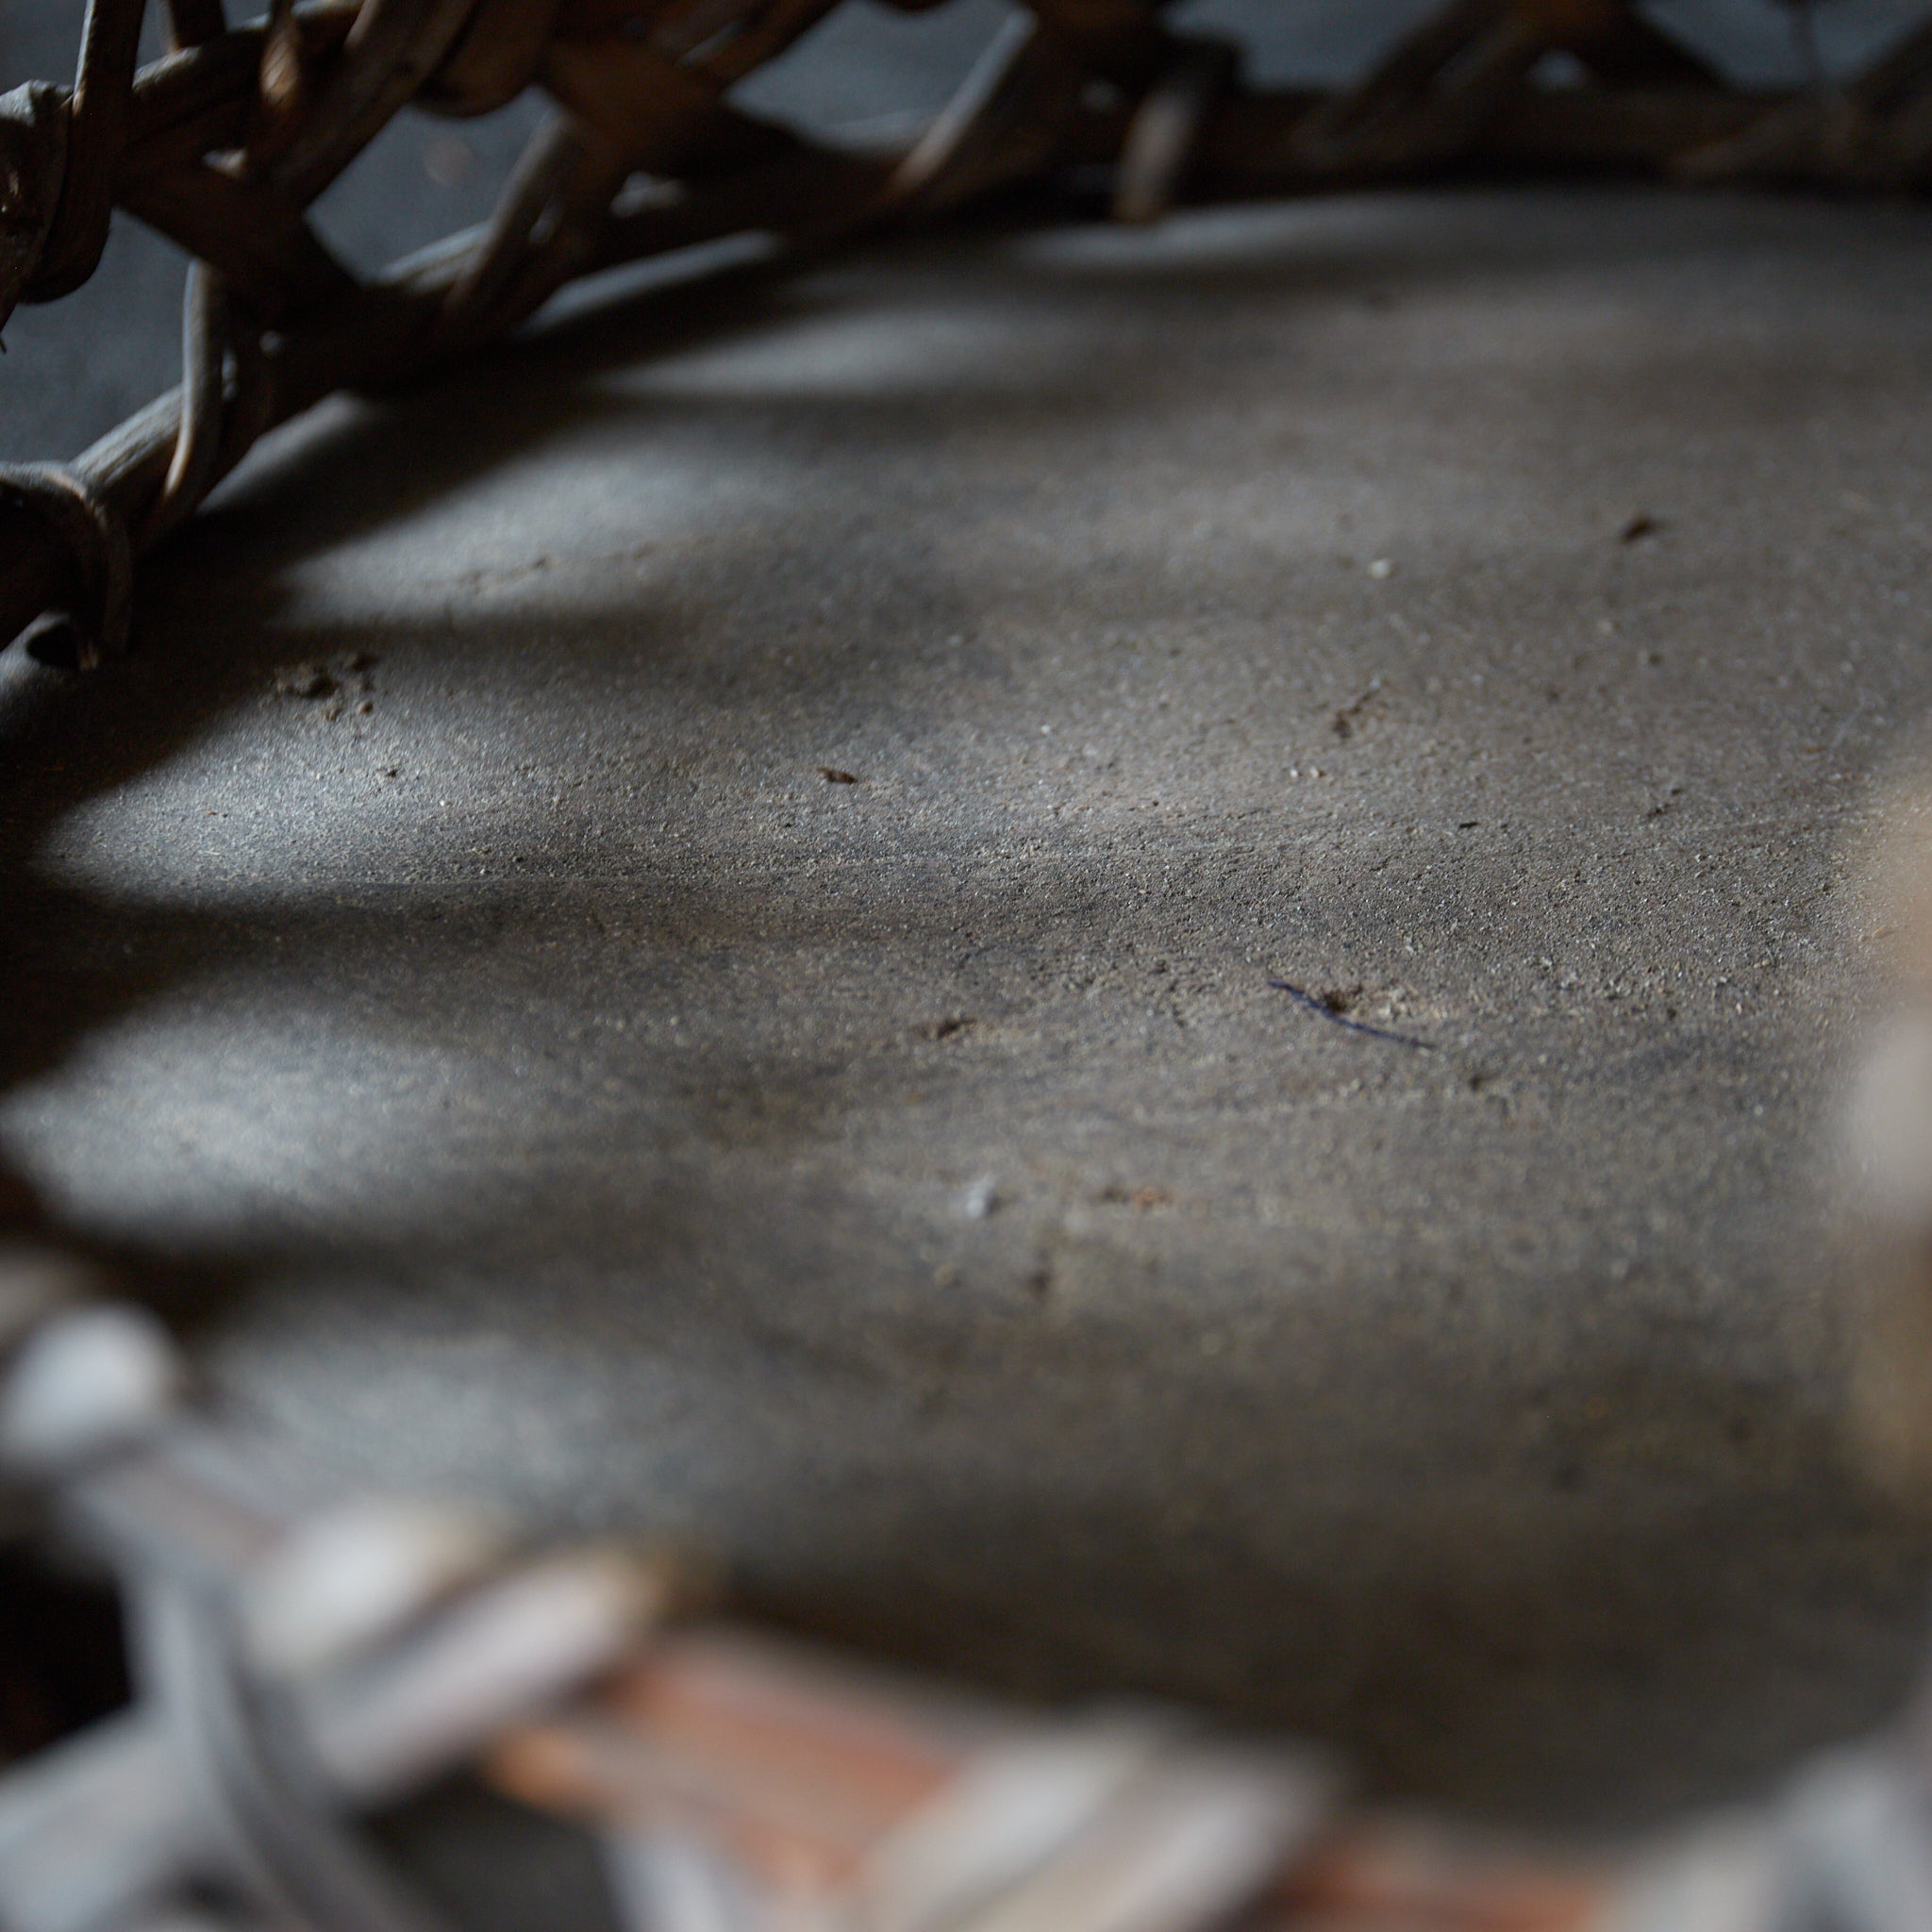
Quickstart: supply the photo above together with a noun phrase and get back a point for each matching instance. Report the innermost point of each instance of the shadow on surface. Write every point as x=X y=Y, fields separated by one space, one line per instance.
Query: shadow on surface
x=705 y=1270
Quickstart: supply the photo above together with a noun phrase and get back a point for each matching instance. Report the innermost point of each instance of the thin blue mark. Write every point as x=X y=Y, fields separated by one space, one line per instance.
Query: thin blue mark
x=1322 y=1010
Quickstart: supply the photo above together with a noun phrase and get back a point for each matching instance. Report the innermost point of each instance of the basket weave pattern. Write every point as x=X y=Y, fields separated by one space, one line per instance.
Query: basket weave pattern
x=223 y=142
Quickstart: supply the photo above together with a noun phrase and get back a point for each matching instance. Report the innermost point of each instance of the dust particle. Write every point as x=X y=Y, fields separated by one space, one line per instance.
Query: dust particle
x=304 y=681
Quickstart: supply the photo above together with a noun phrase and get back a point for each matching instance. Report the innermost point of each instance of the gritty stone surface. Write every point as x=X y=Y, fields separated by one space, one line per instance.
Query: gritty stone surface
x=682 y=925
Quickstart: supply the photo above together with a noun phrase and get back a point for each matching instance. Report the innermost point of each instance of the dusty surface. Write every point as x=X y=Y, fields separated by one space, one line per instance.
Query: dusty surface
x=912 y=1187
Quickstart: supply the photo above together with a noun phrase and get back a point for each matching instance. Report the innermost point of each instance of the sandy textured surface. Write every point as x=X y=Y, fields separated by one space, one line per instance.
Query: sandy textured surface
x=912 y=1187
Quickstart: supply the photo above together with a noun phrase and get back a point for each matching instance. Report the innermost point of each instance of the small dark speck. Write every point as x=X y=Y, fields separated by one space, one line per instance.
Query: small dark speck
x=1467 y=824
x=833 y=775
x=952 y=1023
x=1640 y=527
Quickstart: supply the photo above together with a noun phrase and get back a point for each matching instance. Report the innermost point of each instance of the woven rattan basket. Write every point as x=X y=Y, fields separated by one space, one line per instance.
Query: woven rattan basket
x=223 y=142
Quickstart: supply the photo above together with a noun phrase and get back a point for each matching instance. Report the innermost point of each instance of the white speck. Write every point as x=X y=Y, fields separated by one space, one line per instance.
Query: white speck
x=1046 y=731
x=977 y=1199
x=1382 y=567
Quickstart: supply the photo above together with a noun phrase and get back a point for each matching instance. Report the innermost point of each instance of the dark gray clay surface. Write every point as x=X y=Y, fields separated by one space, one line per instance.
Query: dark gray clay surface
x=911 y=1189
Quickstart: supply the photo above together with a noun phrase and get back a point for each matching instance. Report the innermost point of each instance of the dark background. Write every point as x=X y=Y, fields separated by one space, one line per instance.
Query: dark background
x=76 y=368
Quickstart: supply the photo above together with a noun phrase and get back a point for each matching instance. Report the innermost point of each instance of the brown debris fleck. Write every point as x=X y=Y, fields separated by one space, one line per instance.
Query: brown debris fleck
x=304 y=681
x=1346 y=720
x=1143 y=1198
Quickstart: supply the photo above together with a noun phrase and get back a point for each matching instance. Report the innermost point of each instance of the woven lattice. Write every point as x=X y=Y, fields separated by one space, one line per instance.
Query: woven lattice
x=224 y=143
